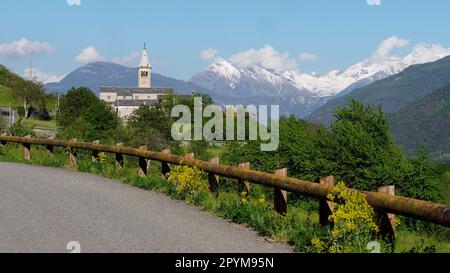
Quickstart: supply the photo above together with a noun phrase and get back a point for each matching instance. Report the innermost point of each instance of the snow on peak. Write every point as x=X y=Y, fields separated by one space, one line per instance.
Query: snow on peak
x=423 y=53
x=331 y=83
x=336 y=81
x=225 y=69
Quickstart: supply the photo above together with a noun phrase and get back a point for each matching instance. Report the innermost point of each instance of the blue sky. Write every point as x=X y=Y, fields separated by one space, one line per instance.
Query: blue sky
x=317 y=35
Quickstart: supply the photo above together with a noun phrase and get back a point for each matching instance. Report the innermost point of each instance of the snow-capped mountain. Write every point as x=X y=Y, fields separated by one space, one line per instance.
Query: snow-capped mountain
x=225 y=79
x=228 y=79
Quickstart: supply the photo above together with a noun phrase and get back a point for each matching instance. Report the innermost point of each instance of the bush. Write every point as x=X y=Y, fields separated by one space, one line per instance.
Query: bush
x=200 y=149
x=3 y=123
x=421 y=248
x=354 y=223
x=20 y=129
x=188 y=181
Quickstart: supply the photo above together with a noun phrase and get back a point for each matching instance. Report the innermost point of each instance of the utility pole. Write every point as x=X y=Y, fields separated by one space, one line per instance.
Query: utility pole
x=10 y=115
x=57 y=104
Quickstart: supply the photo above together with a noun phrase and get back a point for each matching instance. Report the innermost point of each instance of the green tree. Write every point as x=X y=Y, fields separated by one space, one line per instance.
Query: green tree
x=151 y=116
x=360 y=142
x=84 y=116
x=74 y=104
x=358 y=150
x=30 y=93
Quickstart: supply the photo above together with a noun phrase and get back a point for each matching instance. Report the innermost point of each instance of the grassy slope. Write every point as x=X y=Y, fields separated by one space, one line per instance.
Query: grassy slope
x=6 y=97
x=226 y=205
x=41 y=124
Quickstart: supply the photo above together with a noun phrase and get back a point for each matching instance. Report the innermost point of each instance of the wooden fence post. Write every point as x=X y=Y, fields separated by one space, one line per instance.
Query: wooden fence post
x=26 y=150
x=2 y=142
x=165 y=167
x=50 y=148
x=214 y=180
x=143 y=163
x=387 y=221
x=73 y=156
x=95 y=154
x=244 y=185
x=281 y=196
x=119 y=158
x=326 y=207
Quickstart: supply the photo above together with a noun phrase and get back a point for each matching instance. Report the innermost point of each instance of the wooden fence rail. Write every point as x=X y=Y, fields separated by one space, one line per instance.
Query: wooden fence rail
x=383 y=201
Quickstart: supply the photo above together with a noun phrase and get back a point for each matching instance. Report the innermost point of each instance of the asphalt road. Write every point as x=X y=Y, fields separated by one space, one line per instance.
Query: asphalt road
x=43 y=209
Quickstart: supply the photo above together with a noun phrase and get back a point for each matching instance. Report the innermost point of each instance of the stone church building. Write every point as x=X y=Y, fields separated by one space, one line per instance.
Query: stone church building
x=125 y=100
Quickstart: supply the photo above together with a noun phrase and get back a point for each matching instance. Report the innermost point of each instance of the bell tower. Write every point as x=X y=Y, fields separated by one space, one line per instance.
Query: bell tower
x=144 y=71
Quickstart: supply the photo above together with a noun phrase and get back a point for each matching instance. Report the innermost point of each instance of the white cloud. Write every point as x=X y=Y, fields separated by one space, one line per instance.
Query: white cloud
x=41 y=76
x=266 y=57
x=73 y=2
x=305 y=57
x=374 y=2
x=23 y=48
x=131 y=59
x=385 y=48
x=89 y=55
x=209 y=54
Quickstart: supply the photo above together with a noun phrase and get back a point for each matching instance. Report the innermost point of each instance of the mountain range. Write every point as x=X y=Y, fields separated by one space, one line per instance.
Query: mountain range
x=99 y=74
x=392 y=93
x=235 y=80
x=228 y=82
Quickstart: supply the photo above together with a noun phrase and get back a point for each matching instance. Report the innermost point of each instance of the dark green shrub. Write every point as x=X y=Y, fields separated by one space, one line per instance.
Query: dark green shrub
x=20 y=129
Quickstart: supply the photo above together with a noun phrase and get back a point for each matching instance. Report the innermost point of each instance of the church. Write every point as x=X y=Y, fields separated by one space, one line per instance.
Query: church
x=125 y=100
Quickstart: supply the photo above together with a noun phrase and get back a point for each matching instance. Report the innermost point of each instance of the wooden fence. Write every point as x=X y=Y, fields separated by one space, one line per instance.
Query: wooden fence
x=384 y=201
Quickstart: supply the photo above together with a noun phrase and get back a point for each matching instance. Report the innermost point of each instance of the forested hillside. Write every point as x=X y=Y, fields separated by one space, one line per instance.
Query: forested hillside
x=425 y=124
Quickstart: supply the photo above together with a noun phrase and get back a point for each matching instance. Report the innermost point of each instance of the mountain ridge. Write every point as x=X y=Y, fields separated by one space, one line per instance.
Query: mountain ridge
x=393 y=92
x=99 y=74
x=237 y=79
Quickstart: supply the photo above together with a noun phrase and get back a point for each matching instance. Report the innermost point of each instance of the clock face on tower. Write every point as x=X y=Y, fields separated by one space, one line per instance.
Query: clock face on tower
x=144 y=78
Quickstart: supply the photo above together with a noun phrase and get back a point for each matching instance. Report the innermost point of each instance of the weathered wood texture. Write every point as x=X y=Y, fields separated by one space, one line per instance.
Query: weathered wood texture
x=326 y=207
x=281 y=196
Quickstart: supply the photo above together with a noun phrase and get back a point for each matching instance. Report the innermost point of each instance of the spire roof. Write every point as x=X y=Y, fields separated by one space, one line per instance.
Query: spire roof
x=144 y=58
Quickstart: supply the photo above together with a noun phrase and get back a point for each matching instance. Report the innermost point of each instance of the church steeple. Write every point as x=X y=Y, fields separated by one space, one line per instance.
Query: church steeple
x=144 y=70
x=144 y=58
